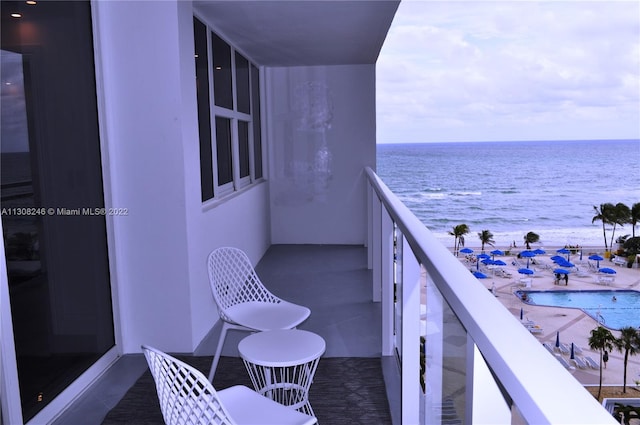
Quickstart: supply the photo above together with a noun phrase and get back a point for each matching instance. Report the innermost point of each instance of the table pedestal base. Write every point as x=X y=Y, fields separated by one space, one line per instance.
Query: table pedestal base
x=286 y=385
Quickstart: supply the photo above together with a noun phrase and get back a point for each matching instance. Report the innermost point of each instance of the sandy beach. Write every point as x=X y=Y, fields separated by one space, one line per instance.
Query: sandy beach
x=573 y=324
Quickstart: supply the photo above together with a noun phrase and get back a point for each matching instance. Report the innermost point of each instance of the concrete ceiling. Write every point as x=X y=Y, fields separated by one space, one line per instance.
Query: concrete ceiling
x=302 y=32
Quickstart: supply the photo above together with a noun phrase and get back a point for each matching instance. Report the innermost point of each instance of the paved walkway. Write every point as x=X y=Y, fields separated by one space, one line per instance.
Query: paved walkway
x=573 y=325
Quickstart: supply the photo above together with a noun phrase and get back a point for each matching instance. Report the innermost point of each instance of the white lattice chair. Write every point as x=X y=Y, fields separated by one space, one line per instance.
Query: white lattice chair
x=187 y=398
x=243 y=301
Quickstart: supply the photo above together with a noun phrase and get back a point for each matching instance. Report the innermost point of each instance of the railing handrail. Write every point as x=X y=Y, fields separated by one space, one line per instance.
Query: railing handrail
x=542 y=390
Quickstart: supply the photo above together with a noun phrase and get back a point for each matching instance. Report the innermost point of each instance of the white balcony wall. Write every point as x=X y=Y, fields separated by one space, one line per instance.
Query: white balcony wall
x=321 y=125
x=146 y=82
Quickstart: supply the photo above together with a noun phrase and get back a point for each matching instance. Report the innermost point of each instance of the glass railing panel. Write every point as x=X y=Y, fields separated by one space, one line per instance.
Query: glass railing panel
x=398 y=291
x=446 y=349
x=489 y=405
x=409 y=301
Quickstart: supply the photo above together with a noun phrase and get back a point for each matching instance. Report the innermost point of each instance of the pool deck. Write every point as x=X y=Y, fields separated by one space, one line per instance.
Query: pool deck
x=573 y=324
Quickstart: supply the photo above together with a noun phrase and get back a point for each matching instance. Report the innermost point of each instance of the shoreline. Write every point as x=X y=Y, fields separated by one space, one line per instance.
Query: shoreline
x=583 y=236
x=550 y=250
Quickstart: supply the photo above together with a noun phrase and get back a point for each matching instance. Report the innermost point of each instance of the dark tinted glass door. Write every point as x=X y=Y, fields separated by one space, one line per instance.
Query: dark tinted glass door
x=52 y=197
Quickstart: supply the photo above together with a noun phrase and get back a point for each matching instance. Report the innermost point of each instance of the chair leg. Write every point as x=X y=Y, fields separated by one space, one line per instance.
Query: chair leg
x=216 y=357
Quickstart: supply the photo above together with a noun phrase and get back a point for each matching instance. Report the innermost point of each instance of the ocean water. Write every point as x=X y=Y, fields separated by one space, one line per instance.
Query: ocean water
x=511 y=188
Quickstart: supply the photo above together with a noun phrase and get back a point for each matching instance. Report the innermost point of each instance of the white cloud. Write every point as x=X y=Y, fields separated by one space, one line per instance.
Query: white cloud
x=510 y=70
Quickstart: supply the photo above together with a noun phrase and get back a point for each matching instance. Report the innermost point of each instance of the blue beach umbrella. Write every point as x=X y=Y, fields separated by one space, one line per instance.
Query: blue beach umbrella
x=496 y=252
x=539 y=251
x=479 y=275
x=557 y=258
x=564 y=251
x=597 y=259
x=525 y=271
x=558 y=339
x=607 y=270
x=466 y=250
x=564 y=263
x=527 y=255
x=521 y=313
x=499 y=263
x=561 y=271
x=481 y=257
x=573 y=355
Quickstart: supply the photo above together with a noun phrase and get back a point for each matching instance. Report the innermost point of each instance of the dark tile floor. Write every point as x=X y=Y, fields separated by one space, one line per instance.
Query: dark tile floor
x=332 y=280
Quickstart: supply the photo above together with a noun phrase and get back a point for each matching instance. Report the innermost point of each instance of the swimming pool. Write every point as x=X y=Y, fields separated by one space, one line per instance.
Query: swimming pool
x=599 y=304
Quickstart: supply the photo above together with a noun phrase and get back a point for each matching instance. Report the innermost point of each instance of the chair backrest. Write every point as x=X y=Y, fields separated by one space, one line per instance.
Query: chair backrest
x=186 y=396
x=233 y=279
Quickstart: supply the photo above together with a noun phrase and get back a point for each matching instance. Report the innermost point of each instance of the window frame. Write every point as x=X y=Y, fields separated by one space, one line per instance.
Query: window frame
x=235 y=117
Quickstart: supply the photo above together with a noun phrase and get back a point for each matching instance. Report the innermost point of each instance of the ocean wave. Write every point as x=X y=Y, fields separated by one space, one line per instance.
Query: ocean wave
x=421 y=197
x=463 y=193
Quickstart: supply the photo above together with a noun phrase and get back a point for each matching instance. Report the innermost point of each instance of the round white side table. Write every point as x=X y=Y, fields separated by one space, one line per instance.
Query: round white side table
x=282 y=363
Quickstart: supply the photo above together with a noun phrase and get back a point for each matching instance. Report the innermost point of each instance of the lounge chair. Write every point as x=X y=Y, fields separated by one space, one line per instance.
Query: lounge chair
x=579 y=362
x=582 y=273
x=502 y=273
x=534 y=329
x=576 y=349
x=564 y=363
x=619 y=261
x=564 y=349
x=543 y=265
x=592 y=363
x=548 y=347
x=605 y=280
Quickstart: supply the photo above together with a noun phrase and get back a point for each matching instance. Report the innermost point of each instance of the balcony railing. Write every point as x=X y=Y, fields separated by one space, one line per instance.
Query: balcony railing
x=478 y=364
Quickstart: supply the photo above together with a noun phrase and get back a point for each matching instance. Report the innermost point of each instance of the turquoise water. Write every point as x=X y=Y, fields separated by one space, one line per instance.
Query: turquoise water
x=511 y=188
x=599 y=304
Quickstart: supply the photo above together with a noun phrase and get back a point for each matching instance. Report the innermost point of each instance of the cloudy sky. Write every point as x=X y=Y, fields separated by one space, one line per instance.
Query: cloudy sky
x=510 y=70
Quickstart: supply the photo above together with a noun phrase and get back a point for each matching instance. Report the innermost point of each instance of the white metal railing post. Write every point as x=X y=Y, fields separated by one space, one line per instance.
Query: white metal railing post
x=387 y=284
x=376 y=249
x=410 y=336
x=371 y=194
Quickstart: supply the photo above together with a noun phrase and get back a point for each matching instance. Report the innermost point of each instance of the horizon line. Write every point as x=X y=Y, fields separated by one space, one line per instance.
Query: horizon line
x=512 y=141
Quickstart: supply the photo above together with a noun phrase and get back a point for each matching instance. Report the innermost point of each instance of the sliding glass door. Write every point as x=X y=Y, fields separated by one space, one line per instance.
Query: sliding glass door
x=54 y=231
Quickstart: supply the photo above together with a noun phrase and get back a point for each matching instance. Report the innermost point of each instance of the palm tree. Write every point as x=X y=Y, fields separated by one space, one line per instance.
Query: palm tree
x=486 y=237
x=601 y=339
x=635 y=218
x=629 y=343
x=632 y=245
x=530 y=238
x=620 y=215
x=603 y=214
x=458 y=233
